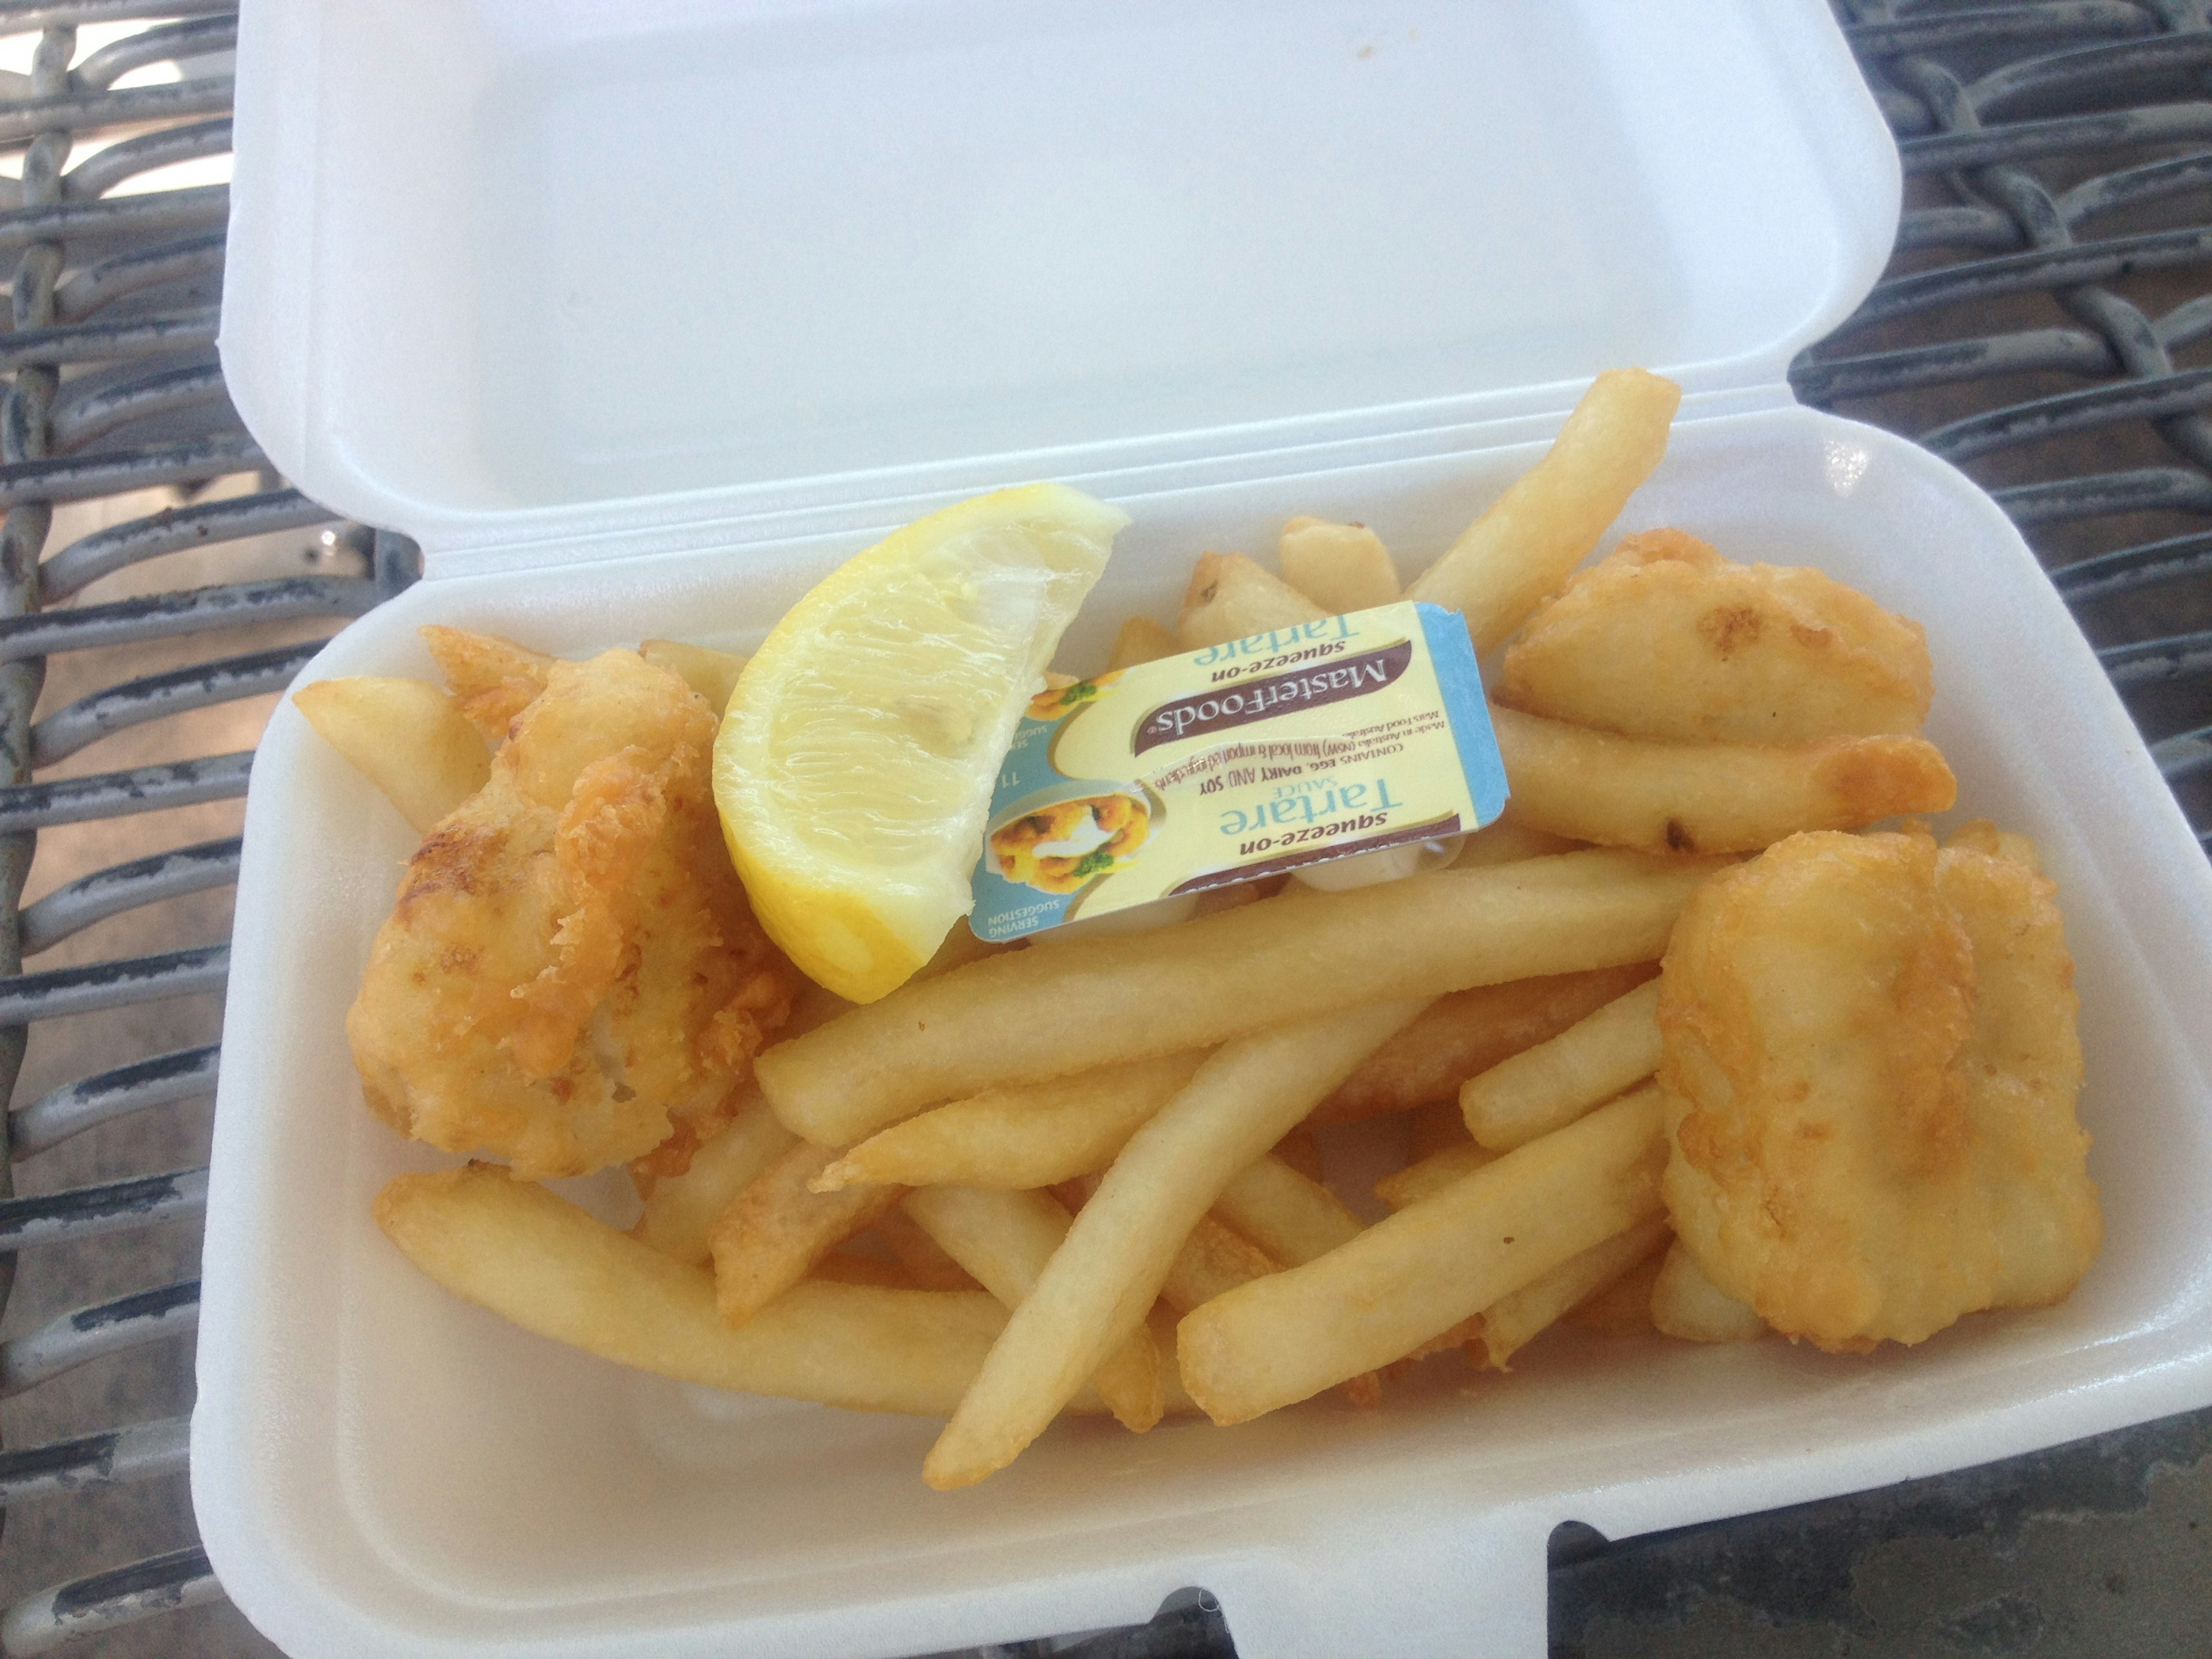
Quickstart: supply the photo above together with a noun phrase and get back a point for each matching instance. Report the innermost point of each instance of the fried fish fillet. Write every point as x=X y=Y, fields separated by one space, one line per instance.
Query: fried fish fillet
x=1871 y=1066
x=1667 y=639
x=571 y=975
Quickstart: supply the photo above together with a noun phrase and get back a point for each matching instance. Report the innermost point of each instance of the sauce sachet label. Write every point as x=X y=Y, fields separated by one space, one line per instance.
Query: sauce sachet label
x=1243 y=760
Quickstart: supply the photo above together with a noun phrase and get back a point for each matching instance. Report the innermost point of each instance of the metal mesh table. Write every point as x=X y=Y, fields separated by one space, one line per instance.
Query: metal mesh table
x=2044 y=323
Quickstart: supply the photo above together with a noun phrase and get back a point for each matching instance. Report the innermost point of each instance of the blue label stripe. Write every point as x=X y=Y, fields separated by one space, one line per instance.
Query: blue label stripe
x=1452 y=653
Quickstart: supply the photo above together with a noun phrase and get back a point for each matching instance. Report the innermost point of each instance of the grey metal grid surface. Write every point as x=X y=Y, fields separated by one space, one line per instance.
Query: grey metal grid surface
x=2042 y=325
x=158 y=588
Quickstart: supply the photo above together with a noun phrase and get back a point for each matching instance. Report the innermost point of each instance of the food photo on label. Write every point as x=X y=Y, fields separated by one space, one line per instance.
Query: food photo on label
x=963 y=1017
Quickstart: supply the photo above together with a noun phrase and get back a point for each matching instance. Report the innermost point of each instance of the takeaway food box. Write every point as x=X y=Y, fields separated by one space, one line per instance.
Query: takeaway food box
x=641 y=319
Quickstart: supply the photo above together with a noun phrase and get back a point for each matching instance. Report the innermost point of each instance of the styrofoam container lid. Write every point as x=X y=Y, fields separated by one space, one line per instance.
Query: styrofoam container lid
x=642 y=318
x=519 y=271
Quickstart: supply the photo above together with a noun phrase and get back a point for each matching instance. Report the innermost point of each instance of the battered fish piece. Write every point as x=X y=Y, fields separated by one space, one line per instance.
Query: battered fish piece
x=1871 y=1066
x=1667 y=639
x=571 y=975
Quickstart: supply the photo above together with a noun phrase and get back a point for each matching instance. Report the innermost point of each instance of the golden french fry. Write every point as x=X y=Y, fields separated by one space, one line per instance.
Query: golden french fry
x=1004 y=1239
x=1503 y=841
x=1031 y=1135
x=1231 y=597
x=406 y=736
x=1214 y=1259
x=923 y=1259
x=1292 y=1216
x=1548 y=1087
x=1341 y=568
x=775 y=1231
x=1468 y=1032
x=1508 y=1324
x=1685 y=1304
x=1286 y=1337
x=1211 y=1260
x=713 y=674
x=1666 y=639
x=1103 y=1280
x=1708 y=797
x=541 y=1262
x=1141 y=640
x=681 y=1209
x=1006 y=1020
x=1435 y=1128
x=1551 y=518
x=492 y=679
x=1432 y=1174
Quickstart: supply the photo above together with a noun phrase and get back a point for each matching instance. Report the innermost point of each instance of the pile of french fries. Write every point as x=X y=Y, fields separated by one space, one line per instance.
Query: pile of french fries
x=1079 y=1175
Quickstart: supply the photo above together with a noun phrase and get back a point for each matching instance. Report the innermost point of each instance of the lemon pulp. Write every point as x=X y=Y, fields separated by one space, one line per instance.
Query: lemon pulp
x=855 y=765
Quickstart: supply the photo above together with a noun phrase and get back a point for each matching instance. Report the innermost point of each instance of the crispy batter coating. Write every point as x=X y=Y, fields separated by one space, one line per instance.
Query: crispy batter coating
x=1667 y=639
x=571 y=963
x=492 y=679
x=1871 y=1066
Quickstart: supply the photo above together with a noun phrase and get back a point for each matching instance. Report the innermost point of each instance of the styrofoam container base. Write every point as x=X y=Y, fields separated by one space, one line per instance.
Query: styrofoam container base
x=377 y=1462
x=379 y=1468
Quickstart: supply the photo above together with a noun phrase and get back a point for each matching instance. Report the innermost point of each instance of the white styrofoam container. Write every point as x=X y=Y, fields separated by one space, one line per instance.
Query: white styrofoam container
x=642 y=318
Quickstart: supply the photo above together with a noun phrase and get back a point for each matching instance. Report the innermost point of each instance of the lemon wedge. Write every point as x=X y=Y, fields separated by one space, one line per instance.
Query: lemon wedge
x=855 y=766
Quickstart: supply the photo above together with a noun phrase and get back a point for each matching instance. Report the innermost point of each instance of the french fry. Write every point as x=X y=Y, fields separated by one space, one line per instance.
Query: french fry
x=406 y=736
x=1004 y=1239
x=1341 y=568
x=1503 y=841
x=1435 y=1128
x=1468 y=1032
x=775 y=1231
x=681 y=1210
x=492 y=679
x=1286 y=1337
x=1432 y=1174
x=922 y=1257
x=713 y=674
x=1294 y=1219
x=1031 y=1135
x=1708 y=797
x=1685 y=1304
x=1105 y=1277
x=1548 y=1087
x=1290 y=1216
x=1231 y=597
x=1508 y=1324
x=1214 y=1259
x=1005 y=1020
x=1551 y=518
x=1141 y=640
x=539 y=1261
